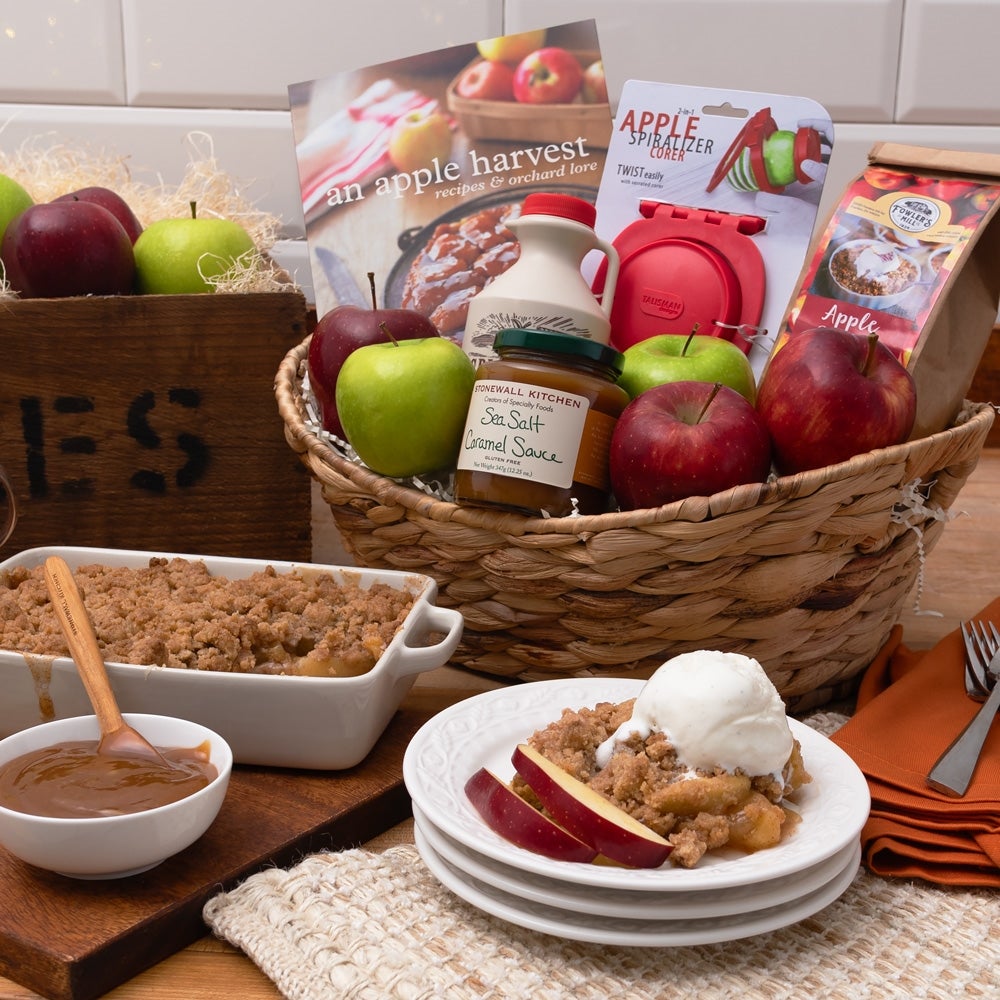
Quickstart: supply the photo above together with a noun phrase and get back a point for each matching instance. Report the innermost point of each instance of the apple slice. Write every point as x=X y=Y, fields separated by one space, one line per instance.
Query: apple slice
x=515 y=820
x=589 y=815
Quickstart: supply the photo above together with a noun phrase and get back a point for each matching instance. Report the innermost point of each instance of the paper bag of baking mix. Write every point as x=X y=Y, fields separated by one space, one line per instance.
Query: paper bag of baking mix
x=912 y=252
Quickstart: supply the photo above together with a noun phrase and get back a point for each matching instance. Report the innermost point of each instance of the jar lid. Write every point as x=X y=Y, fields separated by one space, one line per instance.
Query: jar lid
x=565 y=206
x=566 y=344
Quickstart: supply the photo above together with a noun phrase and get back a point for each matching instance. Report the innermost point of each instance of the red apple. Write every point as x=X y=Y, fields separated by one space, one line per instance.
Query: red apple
x=344 y=329
x=64 y=248
x=505 y=812
x=487 y=80
x=548 y=76
x=683 y=439
x=595 y=84
x=587 y=814
x=827 y=395
x=113 y=202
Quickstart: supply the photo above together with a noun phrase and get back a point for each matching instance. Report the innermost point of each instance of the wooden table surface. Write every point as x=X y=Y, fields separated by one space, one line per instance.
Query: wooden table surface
x=961 y=577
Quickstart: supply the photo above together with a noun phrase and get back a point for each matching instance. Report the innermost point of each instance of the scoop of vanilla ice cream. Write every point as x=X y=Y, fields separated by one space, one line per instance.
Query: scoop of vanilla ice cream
x=717 y=709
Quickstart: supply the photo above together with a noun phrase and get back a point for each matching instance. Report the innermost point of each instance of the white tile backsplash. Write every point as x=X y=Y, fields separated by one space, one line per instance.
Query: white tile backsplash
x=841 y=53
x=245 y=53
x=949 y=67
x=137 y=77
x=61 y=51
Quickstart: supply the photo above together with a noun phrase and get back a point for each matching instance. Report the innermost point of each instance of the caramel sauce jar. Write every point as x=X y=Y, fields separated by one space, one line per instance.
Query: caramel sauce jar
x=539 y=426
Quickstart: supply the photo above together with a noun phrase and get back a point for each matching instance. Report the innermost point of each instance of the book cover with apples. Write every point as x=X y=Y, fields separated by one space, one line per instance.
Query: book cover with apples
x=410 y=168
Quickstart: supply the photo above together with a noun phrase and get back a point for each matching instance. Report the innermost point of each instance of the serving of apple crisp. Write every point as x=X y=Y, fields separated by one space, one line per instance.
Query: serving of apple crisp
x=175 y=613
x=703 y=757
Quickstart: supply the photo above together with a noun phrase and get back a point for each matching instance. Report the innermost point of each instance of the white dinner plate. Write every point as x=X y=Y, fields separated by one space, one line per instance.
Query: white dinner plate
x=630 y=932
x=623 y=902
x=482 y=731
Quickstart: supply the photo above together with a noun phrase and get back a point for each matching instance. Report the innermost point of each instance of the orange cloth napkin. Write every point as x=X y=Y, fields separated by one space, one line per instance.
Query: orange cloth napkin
x=911 y=705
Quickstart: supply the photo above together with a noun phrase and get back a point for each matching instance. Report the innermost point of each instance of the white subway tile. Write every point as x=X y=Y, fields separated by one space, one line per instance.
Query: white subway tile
x=948 y=62
x=841 y=53
x=245 y=53
x=61 y=51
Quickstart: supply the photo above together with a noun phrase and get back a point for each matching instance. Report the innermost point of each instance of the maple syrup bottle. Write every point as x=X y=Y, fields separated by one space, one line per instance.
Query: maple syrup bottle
x=544 y=289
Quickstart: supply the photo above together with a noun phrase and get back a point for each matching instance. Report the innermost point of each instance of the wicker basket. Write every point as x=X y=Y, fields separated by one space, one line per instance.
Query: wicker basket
x=807 y=573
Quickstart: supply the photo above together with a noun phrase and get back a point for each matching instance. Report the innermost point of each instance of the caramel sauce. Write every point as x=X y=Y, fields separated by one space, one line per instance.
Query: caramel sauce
x=72 y=780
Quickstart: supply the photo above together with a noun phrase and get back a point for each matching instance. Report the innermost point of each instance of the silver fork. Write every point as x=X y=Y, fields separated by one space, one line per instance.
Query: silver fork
x=954 y=769
x=977 y=681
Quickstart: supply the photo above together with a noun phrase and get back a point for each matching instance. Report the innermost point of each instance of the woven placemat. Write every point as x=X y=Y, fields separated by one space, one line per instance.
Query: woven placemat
x=375 y=926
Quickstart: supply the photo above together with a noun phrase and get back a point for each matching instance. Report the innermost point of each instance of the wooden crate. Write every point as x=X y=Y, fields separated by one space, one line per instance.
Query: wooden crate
x=150 y=422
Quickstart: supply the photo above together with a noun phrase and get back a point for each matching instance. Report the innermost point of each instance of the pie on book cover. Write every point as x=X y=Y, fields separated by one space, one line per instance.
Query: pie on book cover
x=404 y=177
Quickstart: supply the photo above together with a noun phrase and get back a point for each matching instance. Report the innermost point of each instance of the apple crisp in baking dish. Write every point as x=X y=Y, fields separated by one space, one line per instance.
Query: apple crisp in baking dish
x=175 y=613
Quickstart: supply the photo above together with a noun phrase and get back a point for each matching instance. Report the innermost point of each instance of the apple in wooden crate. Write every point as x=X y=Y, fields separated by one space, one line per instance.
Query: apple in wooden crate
x=588 y=815
x=60 y=249
x=506 y=813
x=112 y=202
x=14 y=199
x=181 y=256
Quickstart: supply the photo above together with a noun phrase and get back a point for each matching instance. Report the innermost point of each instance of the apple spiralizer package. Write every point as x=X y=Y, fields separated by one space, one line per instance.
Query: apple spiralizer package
x=710 y=198
x=912 y=252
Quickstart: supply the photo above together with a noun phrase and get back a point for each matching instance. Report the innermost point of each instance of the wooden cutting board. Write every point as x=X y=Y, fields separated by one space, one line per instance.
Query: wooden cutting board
x=75 y=940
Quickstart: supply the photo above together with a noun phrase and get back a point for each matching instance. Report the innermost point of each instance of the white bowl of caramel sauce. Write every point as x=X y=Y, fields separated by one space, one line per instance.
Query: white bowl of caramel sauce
x=68 y=809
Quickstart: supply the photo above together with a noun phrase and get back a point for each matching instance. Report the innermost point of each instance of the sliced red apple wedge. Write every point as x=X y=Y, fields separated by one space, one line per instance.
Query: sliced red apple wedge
x=589 y=815
x=505 y=812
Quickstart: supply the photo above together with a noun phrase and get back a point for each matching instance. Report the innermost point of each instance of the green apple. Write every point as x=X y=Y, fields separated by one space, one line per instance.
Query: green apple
x=779 y=157
x=13 y=201
x=176 y=256
x=678 y=357
x=403 y=404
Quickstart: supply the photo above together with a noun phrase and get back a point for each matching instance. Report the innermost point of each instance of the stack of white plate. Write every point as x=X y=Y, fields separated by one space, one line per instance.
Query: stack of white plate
x=727 y=896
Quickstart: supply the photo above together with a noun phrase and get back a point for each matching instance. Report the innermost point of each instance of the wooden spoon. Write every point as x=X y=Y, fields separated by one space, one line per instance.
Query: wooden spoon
x=117 y=736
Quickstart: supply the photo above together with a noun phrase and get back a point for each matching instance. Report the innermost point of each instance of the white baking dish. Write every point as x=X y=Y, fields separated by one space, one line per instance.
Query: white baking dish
x=327 y=723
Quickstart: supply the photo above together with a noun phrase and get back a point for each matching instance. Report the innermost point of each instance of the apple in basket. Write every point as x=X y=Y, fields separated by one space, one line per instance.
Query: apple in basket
x=550 y=75
x=487 y=80
x=678 y=357
x=827 y=395
x=683 y=439
x=343 y=330
x=403 y=404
